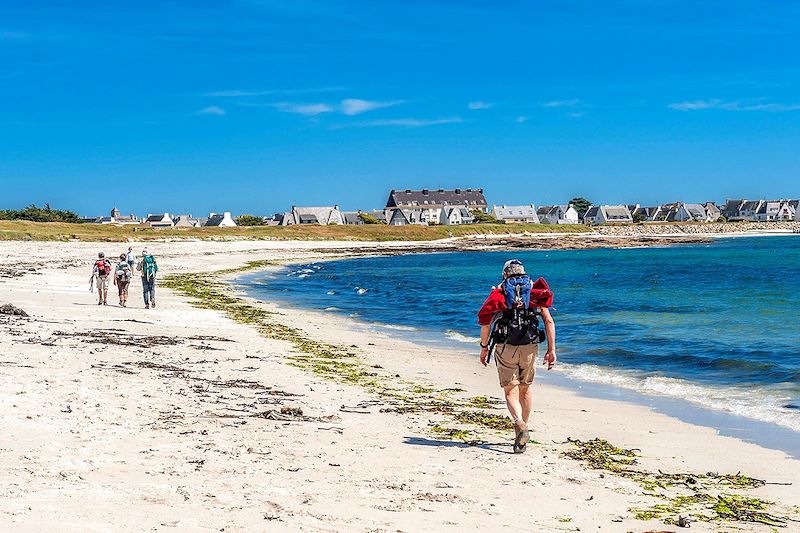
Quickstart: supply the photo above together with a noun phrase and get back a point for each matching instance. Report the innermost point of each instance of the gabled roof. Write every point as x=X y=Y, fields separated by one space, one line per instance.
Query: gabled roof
x=157 y=218
x=592 y=211
x=351 y=217
x=751 y=205
x=616 y=211
x=515 y=211
x=323 y=214
x=436 y=197
x=695 y=210
x=308 y=219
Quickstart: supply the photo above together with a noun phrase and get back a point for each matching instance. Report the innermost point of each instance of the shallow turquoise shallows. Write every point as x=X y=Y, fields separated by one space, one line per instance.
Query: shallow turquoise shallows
x=715 y=324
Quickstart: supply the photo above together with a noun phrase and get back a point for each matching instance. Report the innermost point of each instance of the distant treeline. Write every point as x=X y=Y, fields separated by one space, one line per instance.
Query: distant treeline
x=40 y=214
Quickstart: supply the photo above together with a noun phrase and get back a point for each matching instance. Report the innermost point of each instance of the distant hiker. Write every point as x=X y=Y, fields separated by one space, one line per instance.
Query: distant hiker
x=131 y=258
x=510 y=331
x=100 y=274
x=148 y=267
x=122 y=279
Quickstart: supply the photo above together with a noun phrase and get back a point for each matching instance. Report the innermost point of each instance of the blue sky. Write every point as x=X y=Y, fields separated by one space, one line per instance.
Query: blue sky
x=254 y=105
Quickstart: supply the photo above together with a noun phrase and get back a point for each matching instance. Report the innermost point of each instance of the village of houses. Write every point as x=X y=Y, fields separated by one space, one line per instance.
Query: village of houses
x=460 y=206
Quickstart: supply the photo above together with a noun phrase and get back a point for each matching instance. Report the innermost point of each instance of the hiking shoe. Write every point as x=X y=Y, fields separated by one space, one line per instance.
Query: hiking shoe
x=521 y=441
x=154 y=304
x=147 y=306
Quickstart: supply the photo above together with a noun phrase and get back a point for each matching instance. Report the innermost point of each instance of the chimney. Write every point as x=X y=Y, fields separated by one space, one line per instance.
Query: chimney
x=425 y=192
x=458 y=191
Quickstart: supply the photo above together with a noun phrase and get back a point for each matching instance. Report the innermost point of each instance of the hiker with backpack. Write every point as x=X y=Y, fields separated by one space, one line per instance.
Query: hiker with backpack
x=100 y=274
x=122 y=279
x=509 y=321
x=148 y=267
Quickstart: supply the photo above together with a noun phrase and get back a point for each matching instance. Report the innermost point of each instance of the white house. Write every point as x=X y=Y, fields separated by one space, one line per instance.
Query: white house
x=323 y=216
x=691 y=212
x=161 y=220
x=185 y=221
x=606 y=214
x=749 y=210
x=557 y=214
x=402 y=217
x=453 y=216
x=216 y=220
x=768 y=211
x=789 y=210
x=516 y=214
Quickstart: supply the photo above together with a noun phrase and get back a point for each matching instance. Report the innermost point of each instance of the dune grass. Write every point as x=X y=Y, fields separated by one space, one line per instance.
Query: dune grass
x=18 y=230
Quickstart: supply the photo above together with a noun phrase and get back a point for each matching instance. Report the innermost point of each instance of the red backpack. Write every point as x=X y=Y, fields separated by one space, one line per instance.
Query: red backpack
x=103 y=267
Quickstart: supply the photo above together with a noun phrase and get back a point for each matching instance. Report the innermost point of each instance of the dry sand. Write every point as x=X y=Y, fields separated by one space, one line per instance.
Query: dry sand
x=158 y=435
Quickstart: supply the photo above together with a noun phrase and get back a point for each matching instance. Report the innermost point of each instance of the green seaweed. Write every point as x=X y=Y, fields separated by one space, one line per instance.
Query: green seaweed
x=332 y=362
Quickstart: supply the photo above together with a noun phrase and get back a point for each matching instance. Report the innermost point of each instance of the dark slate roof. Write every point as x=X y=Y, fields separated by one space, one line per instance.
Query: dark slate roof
x=155 y=218
x=436 y=197
x=592 y=211
x=215 y=220
x=309 y=219
x=351 y=217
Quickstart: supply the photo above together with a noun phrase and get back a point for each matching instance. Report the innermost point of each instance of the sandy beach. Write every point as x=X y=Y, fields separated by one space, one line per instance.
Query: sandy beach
x=181 y=418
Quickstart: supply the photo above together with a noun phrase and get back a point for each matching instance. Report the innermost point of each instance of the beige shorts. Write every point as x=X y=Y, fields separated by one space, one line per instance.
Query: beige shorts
x=102 y=283
x=516 y=364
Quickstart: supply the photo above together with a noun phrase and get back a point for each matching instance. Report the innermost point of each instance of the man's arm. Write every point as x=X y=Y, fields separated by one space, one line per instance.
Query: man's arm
x=484 y=344
x=549 y=328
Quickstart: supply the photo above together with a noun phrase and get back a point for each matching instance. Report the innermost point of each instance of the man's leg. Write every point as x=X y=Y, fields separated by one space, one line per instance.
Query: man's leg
x=512 y=402
x=526 y=400
x=153 y=292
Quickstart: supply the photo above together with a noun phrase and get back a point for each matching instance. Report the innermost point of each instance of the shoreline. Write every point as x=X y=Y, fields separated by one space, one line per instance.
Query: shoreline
x=767 y=434
x=224 y=414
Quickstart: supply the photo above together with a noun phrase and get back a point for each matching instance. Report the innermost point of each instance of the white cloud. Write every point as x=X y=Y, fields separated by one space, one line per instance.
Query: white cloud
x=405 y=122
x=354 y=106
x=521 y=119
x=694 y=105
x=562 y=103
x=577 y=114
x=479 y=105
x=303 y=109
x=212 y=110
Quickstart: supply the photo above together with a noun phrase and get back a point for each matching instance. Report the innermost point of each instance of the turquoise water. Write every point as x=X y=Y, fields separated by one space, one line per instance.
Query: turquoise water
x=712 y=324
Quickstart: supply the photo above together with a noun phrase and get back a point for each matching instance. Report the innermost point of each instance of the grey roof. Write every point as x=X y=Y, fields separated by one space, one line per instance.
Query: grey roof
x=215 y=220
x=751 y=205
x=308 y=219
x=351 y=217
x=515 y=211
x=379 y=214
x=696 y=210
x=323 y=214
x=794 y=203
x=616 y=211
x=592 y=211
x=436 y=197
x=155 y=218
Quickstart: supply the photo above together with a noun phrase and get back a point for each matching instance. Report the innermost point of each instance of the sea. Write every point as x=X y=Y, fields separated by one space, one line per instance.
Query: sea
x=708 y=332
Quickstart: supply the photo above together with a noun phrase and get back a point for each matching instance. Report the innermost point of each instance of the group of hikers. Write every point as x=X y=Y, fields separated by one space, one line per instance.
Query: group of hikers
x=509 y=320
x=104 y=273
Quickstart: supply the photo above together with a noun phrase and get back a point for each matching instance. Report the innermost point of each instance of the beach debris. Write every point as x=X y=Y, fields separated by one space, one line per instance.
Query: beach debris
x=707 y=499
x=10 y=309
x=684 y=521
x=66 y=409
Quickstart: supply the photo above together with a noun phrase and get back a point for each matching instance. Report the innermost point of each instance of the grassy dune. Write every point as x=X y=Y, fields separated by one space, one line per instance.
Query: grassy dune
x=56 y=231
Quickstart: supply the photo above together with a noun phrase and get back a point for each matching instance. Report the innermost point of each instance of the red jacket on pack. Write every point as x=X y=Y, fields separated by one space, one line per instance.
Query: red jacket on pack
x=541 y=296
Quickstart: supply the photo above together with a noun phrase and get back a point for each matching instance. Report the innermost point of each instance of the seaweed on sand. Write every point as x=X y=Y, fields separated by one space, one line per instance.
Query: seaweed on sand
x=332 y=362
x=706 y=500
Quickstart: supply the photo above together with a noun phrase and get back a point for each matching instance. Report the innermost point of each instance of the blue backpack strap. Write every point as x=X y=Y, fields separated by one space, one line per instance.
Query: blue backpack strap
x=523 y=284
